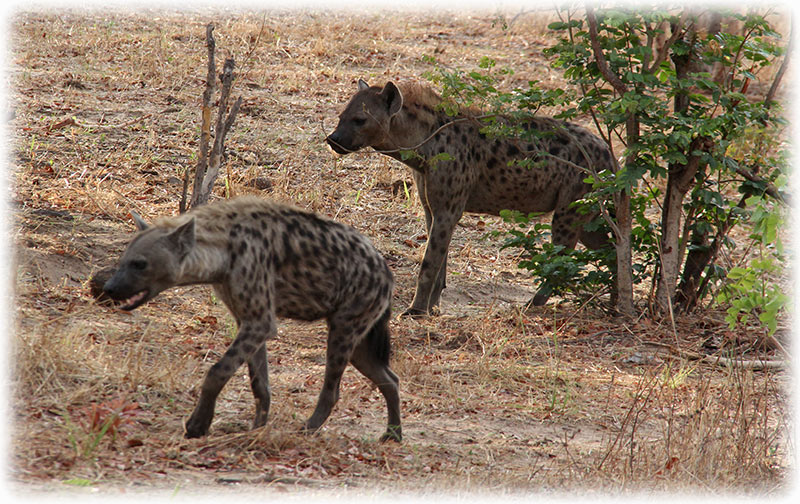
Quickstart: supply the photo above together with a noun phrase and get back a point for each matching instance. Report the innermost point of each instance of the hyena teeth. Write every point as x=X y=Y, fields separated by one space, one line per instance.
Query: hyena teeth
x=136 y=298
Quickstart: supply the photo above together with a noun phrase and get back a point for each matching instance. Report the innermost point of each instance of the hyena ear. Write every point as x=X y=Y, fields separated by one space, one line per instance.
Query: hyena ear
x=362 y=85
x=393 y=97
x=141 y=225
x=183 y=238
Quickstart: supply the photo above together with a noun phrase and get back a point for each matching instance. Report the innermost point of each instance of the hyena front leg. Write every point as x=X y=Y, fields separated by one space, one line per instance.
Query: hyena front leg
x=441 y=278
x=430 y=281
x=249 y=339
x=440 y=283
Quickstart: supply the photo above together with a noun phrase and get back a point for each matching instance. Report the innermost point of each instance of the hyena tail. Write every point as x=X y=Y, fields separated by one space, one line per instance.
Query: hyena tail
x=378 y=338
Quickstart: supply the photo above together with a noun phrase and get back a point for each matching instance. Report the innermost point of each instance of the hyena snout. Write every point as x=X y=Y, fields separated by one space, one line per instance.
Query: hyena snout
x=127 y=293
x=339 y=144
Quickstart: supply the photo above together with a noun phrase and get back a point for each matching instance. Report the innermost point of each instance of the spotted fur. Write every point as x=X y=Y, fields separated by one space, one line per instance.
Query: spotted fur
x=267 y=260
x=480 y=175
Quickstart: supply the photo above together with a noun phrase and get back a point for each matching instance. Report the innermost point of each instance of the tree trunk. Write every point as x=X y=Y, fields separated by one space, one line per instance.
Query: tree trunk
x=208 y=163
x=624 y=259
x=670 y=237
x=622 y=202
x=700 y=257
x=205 y=131
x=622 y=199
x=679 y=181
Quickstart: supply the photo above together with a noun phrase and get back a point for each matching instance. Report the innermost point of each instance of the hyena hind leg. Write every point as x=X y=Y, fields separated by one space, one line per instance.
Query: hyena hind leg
x=567 y=227
x=371 y=366
x=259 y=383
x=340 y=347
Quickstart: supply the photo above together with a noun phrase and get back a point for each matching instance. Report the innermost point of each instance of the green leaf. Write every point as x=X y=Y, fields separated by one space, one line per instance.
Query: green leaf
x=81 y=482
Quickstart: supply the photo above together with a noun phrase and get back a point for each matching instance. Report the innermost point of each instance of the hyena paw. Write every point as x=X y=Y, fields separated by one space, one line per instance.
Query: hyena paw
x=393 y=433
x=308 y=429
x=416 y=313
x=196 y=427
x=540 y=299
x=259 y=421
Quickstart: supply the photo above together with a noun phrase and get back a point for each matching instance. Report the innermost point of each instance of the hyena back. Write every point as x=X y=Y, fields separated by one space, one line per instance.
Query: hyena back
x=479 y=176
x=268 y=260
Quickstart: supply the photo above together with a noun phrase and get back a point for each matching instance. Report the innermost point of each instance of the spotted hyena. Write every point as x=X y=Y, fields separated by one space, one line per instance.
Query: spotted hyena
x=267 y=260
x=479 y=176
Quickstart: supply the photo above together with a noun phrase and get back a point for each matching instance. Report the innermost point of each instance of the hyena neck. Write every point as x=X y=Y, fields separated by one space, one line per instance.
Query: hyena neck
x=207 y=263
x=418 y=127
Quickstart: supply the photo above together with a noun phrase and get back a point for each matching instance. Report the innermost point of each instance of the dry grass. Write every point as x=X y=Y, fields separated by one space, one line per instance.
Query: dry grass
x=565 y=398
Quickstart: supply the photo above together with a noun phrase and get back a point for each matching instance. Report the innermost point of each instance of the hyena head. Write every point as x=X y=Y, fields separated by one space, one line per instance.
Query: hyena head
x=150 y=264
x=365 y=120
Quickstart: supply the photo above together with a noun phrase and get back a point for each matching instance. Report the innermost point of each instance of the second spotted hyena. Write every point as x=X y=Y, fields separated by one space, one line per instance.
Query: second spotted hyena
x=267 y=260
x=479 y=175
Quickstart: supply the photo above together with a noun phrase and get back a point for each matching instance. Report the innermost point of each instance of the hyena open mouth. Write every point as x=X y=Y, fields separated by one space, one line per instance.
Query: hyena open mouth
x=136 y=300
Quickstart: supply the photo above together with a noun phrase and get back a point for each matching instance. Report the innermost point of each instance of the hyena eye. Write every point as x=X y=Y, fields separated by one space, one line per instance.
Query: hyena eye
x=139 y=264
x=359 y=121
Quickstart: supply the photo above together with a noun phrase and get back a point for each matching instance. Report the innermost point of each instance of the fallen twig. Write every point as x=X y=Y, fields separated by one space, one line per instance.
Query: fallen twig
x=755 y=364
x=71 y=121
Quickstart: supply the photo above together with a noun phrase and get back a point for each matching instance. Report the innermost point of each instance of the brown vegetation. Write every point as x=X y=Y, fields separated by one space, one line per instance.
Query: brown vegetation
x=107 y=108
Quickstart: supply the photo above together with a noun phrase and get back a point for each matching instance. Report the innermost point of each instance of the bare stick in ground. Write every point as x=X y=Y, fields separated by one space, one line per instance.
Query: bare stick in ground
x=207 y=167
x=205 y=130
x=220 y=131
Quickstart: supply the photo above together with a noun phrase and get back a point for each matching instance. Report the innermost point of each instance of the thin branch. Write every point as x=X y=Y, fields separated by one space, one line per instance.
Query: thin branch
x=205 y=133
x=773 y=89
x=770 y=189
x=754 y=364
x=664 y=50
x=599 y=57
x=219 y=131
x=232 y=114
x=254 y=44
x=426 y=140
x=719 y=360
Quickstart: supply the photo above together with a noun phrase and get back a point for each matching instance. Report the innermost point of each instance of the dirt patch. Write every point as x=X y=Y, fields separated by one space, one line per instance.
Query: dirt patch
x=564 y=397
